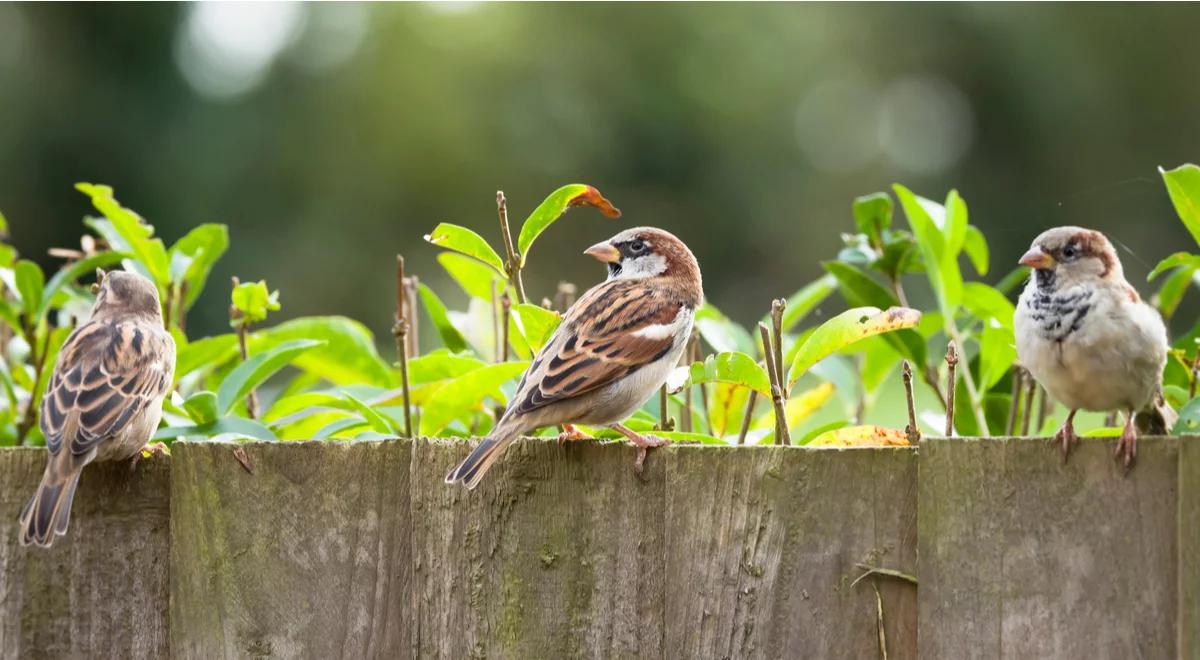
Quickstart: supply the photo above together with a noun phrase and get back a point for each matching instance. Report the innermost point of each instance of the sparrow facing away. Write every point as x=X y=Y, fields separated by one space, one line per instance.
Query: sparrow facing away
x=105 y=398
x=1086 y=335
x=613 y=350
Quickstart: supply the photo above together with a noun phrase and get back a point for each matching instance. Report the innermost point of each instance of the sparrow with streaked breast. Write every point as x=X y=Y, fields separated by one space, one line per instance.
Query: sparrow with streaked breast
x=1086 y=335
x=105 y=398
x=614 y=348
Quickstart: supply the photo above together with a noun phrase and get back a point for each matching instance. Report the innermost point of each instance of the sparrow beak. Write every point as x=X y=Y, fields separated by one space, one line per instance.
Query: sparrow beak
x=1037 y=259
x=604 y=252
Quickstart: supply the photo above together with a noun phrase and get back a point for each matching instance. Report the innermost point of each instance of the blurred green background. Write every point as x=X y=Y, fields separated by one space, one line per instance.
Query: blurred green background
x=331 y=136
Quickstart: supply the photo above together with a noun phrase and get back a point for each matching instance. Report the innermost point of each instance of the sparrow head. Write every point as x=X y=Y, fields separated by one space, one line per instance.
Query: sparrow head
x=122 y=293
x=1070 y=255
x=644 y=252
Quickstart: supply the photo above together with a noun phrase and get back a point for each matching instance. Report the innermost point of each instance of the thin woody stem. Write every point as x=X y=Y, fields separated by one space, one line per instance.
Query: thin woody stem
x=751 y=399
x=513 y=266
x=400 y=332
x=1018 y=380
x=951 y=385
x=912 y=431
x=781 y=429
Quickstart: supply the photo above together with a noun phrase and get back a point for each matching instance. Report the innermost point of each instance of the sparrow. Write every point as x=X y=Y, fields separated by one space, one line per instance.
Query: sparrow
x=1086 y=335
x=614 y=348
x=104 y=400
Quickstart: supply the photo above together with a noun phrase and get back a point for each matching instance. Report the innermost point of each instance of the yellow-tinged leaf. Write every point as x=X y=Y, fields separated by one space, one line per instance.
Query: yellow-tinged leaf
x=798 y=408
x=861 y=436
x=843 y=330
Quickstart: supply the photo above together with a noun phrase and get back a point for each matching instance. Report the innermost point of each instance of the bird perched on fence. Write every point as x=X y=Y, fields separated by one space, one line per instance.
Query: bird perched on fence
x=105 y=398
x=613 y=350
x=1087 y=337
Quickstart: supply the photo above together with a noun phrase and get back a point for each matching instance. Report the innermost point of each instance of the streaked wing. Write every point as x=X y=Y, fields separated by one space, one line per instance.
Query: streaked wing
x=614 y=330
x=107 y=373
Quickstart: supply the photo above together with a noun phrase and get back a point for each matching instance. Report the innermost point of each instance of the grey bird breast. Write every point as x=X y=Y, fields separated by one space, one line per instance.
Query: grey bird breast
x=1059 y=314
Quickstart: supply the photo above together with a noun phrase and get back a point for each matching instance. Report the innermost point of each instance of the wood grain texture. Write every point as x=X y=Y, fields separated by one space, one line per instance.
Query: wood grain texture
x=557 y=554
x=1189 y=548
x=308 y=556
x=1024 y=557
x=762 y=547
x=100 y=591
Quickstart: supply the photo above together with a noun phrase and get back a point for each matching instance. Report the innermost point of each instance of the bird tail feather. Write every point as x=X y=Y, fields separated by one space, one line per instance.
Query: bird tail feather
x=481 y=459
x=48 y=512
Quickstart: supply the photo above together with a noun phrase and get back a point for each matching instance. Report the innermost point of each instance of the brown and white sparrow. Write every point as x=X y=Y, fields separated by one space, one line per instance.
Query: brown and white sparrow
x=615 y=347
x=105 y=398
x=1086 y=335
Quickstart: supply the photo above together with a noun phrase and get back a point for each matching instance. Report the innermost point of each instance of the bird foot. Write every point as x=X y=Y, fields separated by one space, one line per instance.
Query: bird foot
x=149 y=450
x=571 y=432
x=644 y=443
x=1127 y=445
x=1066 y=439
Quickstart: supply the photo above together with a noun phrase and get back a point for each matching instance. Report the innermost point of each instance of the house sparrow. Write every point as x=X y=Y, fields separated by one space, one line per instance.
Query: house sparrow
x=614 y=349
x=105 y=398
x=1086 y=335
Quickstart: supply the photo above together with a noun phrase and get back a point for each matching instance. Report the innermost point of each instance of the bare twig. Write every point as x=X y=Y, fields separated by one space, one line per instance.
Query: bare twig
x=665 y=423
x=400 y=332
x=951 y=384
x=1015 y=401
x=235 y=315
x=750 y=401
x=1028 y=416
x=880 y=628
x=239 y=453
x=39 y=365
x=912 y=431
x=930 y=375
x=495 y=324
x=513 y=265
x=414 y=341
x=781 y=427
x=1043 y=408
x=689 y=356
x=883 y=572
x=505 y=312
x=1195 y=373
x=777 y=307
x=564 y=296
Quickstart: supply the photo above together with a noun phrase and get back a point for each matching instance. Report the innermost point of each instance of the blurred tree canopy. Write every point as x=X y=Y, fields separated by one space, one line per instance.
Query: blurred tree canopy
x=331 y=136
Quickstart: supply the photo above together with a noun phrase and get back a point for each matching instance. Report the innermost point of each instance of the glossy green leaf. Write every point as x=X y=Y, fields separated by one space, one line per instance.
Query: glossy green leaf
x=465 y=241
x=225 y=426
x=71 y=273
x=31 y=284
x=202 y=407
x=476 y=278
x=136 y=236
x=203 y=355
x=976 y=247
x=873 y=214
x=1170 y=294
x=730 y=367
x=253 y=300
x=440 y=365
x=984 y=303
x=535 y=324
x=348 y=355
x=1174 y=261
x=845 y=329
x=997 y=352
x=436 y=310
x=203 y=246
x=255 y=371
x=721 y=333
x=1189 y=419
x=941 y=259
x=804 y=301
x=464 y=395
x=858 y=288
x=553 y=207
x=378 y=422
x=1183 y=185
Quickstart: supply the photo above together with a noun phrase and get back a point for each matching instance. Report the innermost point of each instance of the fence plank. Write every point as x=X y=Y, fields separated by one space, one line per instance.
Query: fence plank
x=306 y=557
x=1023 y=557
x=1189 y=548
x=762 y=546
x=101 y=591
x=557 y=554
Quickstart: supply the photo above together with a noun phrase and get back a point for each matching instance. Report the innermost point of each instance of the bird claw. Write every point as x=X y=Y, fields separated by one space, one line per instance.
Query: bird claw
x=1066 y=439
x=645 y=443
x=1126 y=447
x=569 y=433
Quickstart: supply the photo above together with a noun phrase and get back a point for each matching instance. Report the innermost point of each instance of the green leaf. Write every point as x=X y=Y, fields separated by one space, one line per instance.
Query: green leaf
x=476 y=278
x=202 y=407
x=348 y=356
x=872 y=215
x=204 y=245
x=997 y=352
x=440 y=365
x=1014 y=279
x=975 y=245
x=1189 y=418
x=204 y=354
x=804 y=301
x=727 y=408
x=535 y=324
x=433 y=306
x=1170 y=294
x=552 y=208
x=984 y=303
x=261 y=366
x=730 y=367
x=31 y=284
x=378 y=422
x=1174 y=261
x=135 y=234
x=1183 y=185
x=73 y=272
x=465 y=241
x=226 y=426
x=845 y=329
x=858 y=288
x=464 y=395
x=254 y=301
x=721 y=333
x=941 y=262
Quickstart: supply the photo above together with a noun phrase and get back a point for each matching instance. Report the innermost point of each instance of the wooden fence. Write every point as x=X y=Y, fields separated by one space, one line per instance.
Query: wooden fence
x=353 y=550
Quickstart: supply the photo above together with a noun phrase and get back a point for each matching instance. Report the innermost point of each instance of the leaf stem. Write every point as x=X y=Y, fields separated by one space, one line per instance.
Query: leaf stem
x=39 y=365
x=750 y=401
x=1029 y=392
x=951 y=385
x=235 y=315
x=513 y=265
x=912 y=431
x=400 y=333
x=781 y=429
x=1018 y=381
x=505 y=312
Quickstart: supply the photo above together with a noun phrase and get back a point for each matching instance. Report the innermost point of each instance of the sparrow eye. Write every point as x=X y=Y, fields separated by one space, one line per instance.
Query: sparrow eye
x=1070 y=252
x=637 y=247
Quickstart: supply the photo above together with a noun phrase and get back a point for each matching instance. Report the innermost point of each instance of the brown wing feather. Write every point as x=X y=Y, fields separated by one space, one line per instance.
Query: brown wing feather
x=597 y=343
x=107 y=373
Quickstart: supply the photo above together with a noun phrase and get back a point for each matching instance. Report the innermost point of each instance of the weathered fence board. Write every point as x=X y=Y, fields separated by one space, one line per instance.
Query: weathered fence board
x=1024 y=557
x=306 y=556
x=102 y=590
x=763 y=545
x=359 y=550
